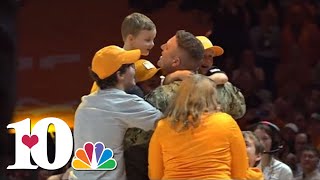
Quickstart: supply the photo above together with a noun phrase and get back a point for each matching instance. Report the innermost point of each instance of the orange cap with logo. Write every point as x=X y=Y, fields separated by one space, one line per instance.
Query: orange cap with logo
x=144 y=70
x=109 y=59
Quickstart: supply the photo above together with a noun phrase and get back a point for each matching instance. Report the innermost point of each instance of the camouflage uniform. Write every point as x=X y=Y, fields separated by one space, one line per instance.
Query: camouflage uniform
x=230 y=99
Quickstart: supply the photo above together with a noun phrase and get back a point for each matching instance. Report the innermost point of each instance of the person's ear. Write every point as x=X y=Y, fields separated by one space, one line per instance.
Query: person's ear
x=130 y=38
x=120 y=76
x=258 y=157
x=176 y=61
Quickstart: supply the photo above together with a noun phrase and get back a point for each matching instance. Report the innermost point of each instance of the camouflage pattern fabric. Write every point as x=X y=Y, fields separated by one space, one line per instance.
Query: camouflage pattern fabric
x=136 y=136
x=161 y=96
x=230 y=99
x=158 y=98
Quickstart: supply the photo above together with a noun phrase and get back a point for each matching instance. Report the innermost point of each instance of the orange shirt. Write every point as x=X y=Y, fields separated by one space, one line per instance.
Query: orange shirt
x=254 y=174
x=214 y=150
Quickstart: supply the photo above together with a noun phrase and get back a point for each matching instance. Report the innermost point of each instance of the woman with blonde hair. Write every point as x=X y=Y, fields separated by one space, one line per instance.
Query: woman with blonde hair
x=196 y=140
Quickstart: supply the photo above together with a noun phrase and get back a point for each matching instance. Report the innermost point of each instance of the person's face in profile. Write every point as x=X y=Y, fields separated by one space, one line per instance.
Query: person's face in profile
x=169 y=56
x=265 y=138
x=144 y=41
x=207 y=61
x=251 y=151
x=128 y=78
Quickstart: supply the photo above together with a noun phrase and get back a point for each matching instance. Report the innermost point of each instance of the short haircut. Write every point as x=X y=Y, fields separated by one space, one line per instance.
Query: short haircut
x=311 y=148
x=110 y=81
x=134 y=23
x=257 y=143
x=192 y=46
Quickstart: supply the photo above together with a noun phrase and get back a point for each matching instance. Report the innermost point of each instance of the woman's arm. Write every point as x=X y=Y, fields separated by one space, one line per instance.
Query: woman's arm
x=239 y=159
x=155 y=169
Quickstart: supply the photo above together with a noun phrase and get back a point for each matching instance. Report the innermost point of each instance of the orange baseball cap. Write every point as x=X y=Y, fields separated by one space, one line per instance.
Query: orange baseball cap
x=207 y=44
x=109 y=59
x=144 y=70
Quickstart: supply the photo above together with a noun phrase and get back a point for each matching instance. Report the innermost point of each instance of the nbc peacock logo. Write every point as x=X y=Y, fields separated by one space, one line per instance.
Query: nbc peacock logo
x=94 y=157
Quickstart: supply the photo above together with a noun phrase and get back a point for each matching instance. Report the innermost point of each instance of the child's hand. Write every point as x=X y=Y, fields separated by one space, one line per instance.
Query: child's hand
x=177 y=75
x=219 y=78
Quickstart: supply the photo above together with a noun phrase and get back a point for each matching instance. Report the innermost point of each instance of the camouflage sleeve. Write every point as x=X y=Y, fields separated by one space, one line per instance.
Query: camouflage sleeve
x=162 y=95
x=231 y=100
x=136 y=136
x=158 y=98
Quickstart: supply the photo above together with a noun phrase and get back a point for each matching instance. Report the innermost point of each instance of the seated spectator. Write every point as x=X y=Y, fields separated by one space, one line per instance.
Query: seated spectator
x=299 y=118
x=269 y=134
x=301 y=140
x=291 y=160
x=288 y=133
x=300 y=36
x=265 y=42
x=248 y=77
x=309 y=160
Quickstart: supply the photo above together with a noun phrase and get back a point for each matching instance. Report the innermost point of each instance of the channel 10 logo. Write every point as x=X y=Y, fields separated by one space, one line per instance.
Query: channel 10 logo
x=34 y=144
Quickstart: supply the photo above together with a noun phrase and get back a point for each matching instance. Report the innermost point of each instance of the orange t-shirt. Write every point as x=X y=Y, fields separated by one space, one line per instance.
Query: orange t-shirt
x=254 y=174
x=214 y=150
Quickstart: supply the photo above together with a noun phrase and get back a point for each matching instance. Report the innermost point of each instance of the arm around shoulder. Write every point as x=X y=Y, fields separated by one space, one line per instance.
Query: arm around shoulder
x=142 y=115
x=219 y=78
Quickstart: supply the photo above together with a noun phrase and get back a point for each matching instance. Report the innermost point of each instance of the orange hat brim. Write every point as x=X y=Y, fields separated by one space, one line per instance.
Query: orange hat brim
x=217 y=50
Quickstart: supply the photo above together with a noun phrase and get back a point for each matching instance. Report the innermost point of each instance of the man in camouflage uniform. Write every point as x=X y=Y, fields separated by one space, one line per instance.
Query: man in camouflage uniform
x=181 y=52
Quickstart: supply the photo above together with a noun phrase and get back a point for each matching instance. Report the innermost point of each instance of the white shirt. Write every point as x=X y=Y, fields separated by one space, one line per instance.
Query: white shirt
x=314 y=175
x=277 y=170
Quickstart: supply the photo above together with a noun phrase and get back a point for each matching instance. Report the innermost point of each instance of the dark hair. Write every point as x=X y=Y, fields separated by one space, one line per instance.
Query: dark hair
x=189 y=43
x=110 y=81
x=309 y=140
x=274 y=132
x=309 y=147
